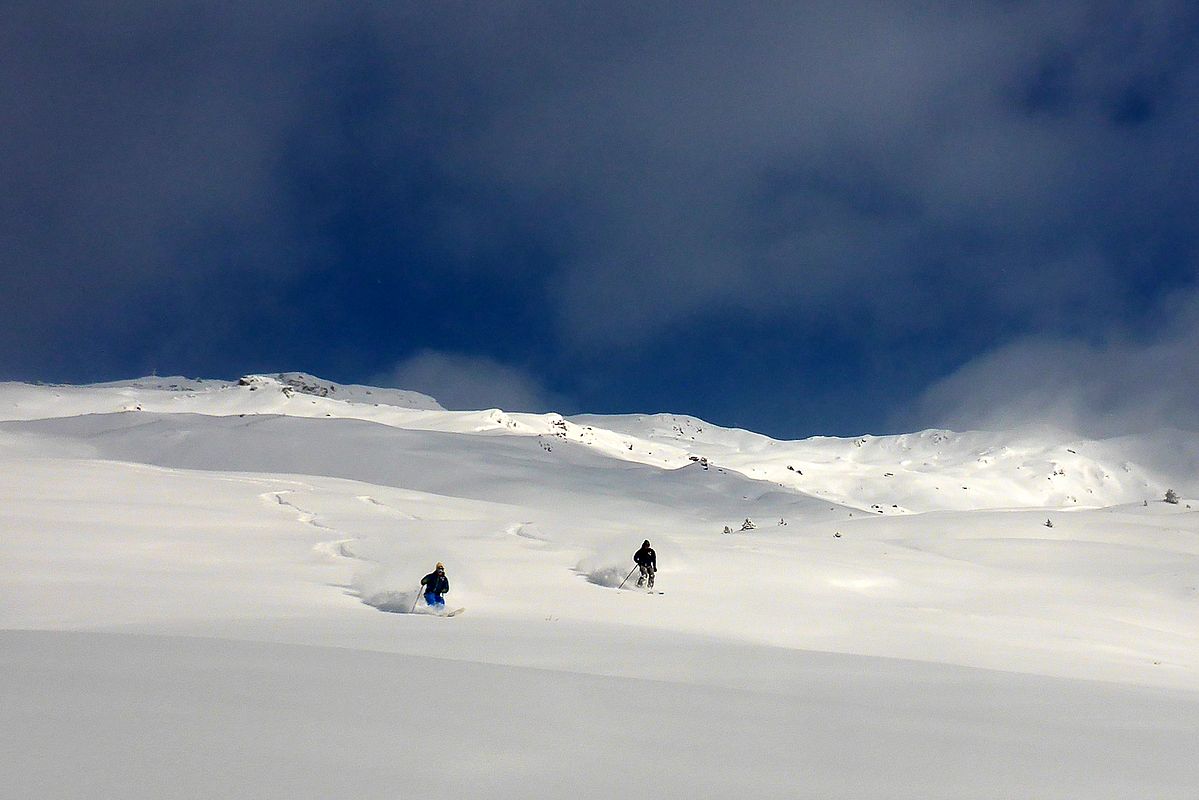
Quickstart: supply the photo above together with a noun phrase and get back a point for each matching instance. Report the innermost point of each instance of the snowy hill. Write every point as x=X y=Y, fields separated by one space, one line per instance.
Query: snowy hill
x=938 y=469
x=924 y=471
x=196 y=572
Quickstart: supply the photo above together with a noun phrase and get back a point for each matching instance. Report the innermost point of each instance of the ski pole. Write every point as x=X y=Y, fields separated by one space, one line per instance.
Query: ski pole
x=415 y=601
x=626 y=577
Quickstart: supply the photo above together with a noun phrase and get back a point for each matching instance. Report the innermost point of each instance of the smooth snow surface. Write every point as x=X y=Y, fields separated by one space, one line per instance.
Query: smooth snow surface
x=205 y=587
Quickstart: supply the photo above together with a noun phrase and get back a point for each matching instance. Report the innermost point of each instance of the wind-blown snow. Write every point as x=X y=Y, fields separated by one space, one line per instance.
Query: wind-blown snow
x=900 y=622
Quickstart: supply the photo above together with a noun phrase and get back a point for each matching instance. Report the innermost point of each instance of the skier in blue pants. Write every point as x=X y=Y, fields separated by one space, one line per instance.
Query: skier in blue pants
x=436 y=584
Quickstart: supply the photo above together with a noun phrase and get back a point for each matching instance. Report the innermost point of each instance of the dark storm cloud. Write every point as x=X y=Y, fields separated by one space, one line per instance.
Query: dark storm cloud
x=172 y=171
x=138 y=149
x=959 y=171
x=879 y=158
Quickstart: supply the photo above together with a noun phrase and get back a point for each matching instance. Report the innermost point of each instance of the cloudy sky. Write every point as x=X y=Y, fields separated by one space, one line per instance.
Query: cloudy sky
x=798 y=218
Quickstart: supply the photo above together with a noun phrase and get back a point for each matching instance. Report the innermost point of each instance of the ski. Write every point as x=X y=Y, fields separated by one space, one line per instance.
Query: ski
x=453 y=613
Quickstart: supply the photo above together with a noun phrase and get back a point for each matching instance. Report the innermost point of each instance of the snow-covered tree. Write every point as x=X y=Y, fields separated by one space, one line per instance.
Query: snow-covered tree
x=1172 y=496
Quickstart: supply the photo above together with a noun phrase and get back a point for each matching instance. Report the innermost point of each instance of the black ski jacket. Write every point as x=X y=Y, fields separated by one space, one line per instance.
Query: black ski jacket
x=437 y=584
x=645 y=557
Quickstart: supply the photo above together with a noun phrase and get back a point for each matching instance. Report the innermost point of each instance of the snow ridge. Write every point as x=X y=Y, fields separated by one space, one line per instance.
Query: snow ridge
x=898 y=474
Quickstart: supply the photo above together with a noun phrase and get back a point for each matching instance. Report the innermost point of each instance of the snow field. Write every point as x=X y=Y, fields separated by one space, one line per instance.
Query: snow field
x=163 y=716
x=191 y=605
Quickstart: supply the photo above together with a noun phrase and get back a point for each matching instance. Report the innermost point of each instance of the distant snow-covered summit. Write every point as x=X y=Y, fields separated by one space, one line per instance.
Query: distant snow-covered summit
x=292 y=382
x=304 y=383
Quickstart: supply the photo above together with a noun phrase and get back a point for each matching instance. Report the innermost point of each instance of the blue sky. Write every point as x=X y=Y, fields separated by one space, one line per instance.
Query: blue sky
x=798 y=218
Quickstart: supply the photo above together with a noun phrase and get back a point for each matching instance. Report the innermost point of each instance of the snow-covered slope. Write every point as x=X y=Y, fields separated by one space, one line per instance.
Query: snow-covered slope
x=924 y=471
x=192 y=581
x=936 y=469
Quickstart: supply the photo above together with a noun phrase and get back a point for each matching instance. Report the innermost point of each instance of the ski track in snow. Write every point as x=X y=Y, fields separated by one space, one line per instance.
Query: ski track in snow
x=370 y=588
x=339 y=548
x=386 y=508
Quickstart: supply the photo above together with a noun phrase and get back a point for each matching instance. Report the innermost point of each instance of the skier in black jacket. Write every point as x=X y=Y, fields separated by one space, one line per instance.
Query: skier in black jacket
x=436 y=584
x=647 y=561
